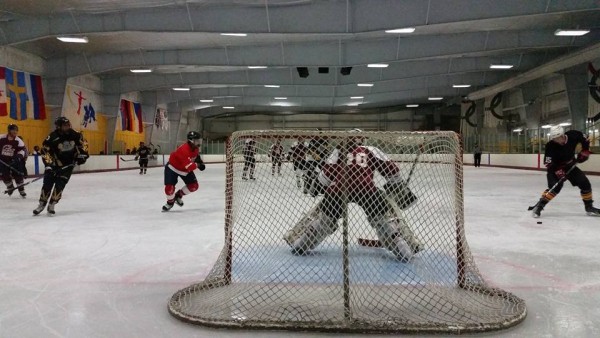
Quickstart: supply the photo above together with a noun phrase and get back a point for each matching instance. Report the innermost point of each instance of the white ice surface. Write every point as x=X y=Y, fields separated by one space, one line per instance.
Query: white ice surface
x=107 y=263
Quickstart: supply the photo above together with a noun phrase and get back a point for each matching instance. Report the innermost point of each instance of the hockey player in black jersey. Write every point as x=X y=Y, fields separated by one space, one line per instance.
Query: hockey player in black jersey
x=249 y=152
x=559 y=158
x=143 y=153
x=61 y=151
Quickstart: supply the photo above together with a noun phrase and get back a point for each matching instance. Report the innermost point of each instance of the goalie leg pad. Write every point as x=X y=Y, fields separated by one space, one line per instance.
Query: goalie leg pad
x=396 y=217
x=310 y=231
x=391 y=239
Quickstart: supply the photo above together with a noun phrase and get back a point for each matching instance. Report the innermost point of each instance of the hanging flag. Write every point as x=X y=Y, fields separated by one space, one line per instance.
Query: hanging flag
x=79 y=106
x=3 y=109
x=21 y=95
x=131 y=116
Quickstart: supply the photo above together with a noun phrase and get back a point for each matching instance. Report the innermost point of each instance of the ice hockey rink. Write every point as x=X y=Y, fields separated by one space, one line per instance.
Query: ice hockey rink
x=108 y=262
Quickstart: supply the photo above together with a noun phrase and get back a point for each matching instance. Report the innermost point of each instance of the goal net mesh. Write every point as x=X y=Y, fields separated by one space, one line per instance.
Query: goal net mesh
x=354 y=279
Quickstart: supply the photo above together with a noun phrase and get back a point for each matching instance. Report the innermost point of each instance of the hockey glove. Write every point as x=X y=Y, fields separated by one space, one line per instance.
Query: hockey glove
x=583 y=156
x=199 y=163
x=16 y=162
x=81 y=158
x=51 y=171
x=136 y=158
x=400 y=192
x=560 y=173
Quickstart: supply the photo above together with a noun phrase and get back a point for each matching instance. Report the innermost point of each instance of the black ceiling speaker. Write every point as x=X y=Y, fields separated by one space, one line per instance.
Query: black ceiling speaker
x=323 y=70
x=345 y=70
x=302 y=71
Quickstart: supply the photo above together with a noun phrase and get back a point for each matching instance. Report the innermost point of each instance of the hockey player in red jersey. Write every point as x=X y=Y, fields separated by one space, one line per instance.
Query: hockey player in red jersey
x=182 y=163
x=12 y=160
x=348 y=176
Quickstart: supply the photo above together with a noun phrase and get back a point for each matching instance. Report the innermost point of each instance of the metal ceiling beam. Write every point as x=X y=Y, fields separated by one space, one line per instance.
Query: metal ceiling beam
x=572 y=59
x=351 y=53
x=324 y=17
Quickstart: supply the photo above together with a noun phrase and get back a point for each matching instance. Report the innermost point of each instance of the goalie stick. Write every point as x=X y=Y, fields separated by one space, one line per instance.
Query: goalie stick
x=551 y=190
x=33 y=180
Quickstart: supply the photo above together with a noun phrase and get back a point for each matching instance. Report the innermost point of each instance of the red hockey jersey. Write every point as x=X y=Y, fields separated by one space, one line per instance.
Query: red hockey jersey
x=182 y=160
x=357 y=172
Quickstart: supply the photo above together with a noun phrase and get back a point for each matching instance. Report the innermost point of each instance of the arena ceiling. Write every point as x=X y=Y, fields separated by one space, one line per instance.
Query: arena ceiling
x=453 y=43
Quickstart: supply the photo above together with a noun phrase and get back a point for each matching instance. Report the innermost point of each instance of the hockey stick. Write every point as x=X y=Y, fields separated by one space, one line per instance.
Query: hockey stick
x=33 y=180
x=551 y=190
x=124 y=160
x=11 y=168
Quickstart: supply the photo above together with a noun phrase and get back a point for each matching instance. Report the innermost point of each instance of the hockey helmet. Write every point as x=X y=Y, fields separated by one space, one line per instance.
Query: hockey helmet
x=195 y=138
x=356 y=140
x=62 y=121
x=556 y=131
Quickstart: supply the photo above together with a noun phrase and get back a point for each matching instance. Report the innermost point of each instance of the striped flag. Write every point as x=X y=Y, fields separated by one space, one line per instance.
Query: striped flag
x=131 y=116
x=3 y=108
x=21 y=95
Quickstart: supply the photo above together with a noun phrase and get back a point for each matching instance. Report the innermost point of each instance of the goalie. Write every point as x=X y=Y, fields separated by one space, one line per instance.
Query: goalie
x=348 y=176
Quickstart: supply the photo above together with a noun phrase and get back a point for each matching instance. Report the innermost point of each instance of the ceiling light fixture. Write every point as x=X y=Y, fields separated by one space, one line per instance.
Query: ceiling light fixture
x=181 y=89
x=280 y=98
x=357 y=97
x=406 y=30
x=412 y=105
x=564 y=124
x=141 y=70
x=257 y=67
x=234 y=34
x=365 y=84
x=461 y=86
x=352 y=104
x=435 y=98
x=571 y=32
x=228 y=107
x=206 y=101
x=377 y=65
x=500 y=66
x=272 y=86
x=547 y=126
x=73 y=39
x=518 y=130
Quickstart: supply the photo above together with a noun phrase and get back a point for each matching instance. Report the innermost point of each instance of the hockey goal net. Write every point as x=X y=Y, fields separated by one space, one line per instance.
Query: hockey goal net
x=355 y=279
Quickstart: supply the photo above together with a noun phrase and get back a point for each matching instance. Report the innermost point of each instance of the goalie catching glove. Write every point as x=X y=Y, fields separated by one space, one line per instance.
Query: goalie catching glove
x=397 y=189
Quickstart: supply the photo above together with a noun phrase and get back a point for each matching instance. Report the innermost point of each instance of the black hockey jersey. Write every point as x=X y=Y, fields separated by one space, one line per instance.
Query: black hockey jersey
x=144 y=152
x=557 y=155
x=61 y=149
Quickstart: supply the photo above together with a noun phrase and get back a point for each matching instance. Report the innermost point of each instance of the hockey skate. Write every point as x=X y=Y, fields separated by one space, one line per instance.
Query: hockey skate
x=590 y=210
x=39 y=209
x=51 y=208
x=536 y=212
x=179 y=198
x=168 y=206
x=22 y=193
